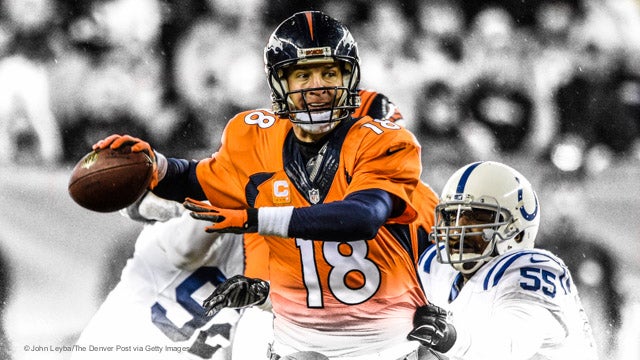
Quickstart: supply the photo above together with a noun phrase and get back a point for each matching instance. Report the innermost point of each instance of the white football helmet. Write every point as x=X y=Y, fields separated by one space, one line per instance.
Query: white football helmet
x=492 y=186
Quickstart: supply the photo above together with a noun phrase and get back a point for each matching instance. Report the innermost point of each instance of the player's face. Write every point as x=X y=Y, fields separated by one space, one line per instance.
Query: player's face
x=318 y=78
x=467 y=218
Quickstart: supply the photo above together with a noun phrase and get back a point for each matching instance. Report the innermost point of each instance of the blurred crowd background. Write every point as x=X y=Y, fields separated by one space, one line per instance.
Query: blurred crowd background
x=551 y=87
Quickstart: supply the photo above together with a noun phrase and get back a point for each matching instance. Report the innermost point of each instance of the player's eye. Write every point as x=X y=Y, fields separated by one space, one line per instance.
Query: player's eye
x=472 y=215
x=332 y=75
x=480 y=215
x=448 y=217
x=301 y=75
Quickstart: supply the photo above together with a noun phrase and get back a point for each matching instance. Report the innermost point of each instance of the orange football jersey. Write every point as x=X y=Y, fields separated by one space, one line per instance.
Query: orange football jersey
x=369 y=286
x=424 y=198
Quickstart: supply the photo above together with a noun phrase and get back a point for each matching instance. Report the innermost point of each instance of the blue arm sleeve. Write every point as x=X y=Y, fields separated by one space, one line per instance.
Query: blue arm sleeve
x=358 y=217
x=180 y=181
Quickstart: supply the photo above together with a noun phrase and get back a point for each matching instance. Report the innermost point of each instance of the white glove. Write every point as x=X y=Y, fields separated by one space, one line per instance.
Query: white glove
x=151 y=208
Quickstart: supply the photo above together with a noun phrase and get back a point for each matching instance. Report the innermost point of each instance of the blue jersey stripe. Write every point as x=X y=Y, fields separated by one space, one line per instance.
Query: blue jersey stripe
x=504 y=264
x=430 y=253
x=504 y=268
x=490 y=273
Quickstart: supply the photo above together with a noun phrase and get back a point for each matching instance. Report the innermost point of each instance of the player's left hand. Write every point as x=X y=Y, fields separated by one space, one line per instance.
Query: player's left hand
x=224 y=220
x=431 y=329
x=237 y=292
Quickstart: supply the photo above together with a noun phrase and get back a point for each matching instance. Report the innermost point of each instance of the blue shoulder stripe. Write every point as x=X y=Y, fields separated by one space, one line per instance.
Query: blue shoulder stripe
x=508 y=260
x=430 y=254
x=503 y=264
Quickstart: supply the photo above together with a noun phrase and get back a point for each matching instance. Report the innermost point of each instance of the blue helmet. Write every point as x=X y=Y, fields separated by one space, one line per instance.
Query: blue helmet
x=312 y=37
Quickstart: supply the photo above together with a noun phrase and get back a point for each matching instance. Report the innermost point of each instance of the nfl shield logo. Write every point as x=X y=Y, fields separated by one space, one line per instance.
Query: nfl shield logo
x=314 y=196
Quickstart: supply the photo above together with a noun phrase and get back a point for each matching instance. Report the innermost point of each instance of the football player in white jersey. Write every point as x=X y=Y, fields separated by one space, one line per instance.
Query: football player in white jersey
x=155 y=311
x=505 y=298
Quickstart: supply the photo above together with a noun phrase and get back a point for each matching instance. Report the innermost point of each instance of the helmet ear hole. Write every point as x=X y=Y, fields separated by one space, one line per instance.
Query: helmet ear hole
x=346 y=68
x=518 y=238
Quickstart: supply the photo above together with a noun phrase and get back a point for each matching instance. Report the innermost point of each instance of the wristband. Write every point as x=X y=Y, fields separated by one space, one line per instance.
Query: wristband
x=274 y=220
x=162 y=164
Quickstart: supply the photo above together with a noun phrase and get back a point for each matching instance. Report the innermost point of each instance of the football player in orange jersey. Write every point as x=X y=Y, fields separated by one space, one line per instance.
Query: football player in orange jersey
x=330 y=193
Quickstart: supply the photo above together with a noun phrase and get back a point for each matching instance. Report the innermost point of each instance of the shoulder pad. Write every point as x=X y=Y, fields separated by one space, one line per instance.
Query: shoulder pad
x=527 y=264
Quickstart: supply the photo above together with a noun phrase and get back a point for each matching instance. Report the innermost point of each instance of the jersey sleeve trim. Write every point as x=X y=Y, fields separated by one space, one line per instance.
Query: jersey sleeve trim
x=429 y=254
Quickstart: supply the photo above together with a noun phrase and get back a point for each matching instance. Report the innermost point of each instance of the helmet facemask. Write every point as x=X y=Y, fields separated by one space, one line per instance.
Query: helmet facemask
x=345 y=97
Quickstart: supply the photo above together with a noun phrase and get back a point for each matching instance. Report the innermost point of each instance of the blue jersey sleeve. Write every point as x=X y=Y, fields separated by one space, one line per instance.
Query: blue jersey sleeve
x=357 y=217
x=180 y=181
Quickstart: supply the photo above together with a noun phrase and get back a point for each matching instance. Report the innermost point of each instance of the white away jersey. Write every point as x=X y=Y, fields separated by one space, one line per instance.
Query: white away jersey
x=520 y=305
x=155 y=311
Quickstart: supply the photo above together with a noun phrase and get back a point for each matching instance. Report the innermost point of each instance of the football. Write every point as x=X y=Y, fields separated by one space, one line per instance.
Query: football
x=109 y=180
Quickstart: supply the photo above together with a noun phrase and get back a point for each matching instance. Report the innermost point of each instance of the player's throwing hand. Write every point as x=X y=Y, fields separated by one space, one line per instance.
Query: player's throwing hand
x=116 y=141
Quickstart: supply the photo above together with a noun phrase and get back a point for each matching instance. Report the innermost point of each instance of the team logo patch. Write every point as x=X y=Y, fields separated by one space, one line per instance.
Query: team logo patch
x=319 y=51
x=281 y=192
x=314 y=196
